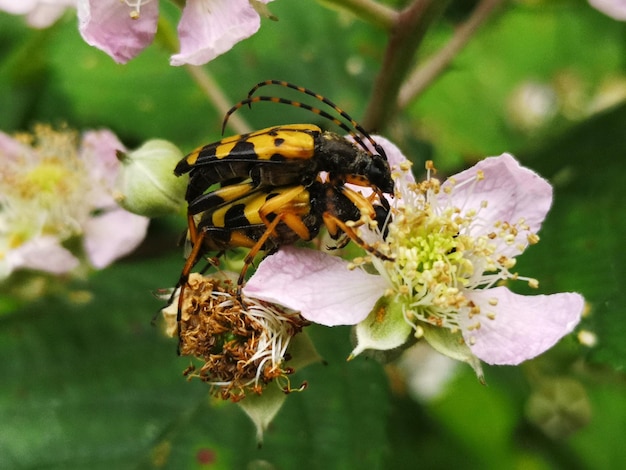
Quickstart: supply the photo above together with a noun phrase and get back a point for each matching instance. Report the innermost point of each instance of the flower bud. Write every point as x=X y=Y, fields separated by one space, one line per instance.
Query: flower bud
x=146 y=184
x=559 y=407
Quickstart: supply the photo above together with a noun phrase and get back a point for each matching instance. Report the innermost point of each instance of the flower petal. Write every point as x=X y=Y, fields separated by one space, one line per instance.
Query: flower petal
x=209 y=28
x=18 y=7
x=41 y=13
x=45 y=13
x=318 y=285
x=512 y=193
x=113 y=234
x=107 y=25
x=523 y=326
x=616 y=9
x=11 y=148
x=43 y=253
x=98 y=150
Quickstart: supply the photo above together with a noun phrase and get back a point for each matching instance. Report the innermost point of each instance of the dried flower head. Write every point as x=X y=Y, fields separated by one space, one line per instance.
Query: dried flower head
x=242 y=342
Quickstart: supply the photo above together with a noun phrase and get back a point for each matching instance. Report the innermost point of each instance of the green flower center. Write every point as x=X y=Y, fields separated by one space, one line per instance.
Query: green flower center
x=430 y=268
x=45 y=189
x=439 y=258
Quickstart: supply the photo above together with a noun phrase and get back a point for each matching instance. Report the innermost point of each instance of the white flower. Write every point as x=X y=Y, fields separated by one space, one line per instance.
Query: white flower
x=124 y=28
x=207 y=28
x=453 y=244
x=54 y=190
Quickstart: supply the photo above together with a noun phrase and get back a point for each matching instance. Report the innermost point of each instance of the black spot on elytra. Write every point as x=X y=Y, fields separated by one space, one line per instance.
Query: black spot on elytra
x=242 y=148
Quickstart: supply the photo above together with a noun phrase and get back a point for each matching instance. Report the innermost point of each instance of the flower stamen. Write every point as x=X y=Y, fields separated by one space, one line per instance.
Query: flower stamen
x=440 y=255
x=136 y=5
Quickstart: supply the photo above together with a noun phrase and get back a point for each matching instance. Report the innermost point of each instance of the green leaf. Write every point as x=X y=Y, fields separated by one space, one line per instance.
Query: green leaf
x=581 y=240
x=93 y=385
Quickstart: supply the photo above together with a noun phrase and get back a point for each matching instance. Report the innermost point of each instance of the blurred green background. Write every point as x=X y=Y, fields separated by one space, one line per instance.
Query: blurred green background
x=87 y=382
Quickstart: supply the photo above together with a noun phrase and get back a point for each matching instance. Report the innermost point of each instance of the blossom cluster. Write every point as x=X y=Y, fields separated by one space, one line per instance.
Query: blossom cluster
x=123 y=28
x=57 y=187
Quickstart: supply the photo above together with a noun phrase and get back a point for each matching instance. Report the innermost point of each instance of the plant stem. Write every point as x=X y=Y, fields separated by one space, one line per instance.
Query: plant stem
x=370 y=11
x=202 y=77
x=406 y=35
x=424 y=74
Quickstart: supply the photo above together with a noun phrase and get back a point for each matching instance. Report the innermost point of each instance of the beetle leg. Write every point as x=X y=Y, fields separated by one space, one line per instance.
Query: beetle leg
x=247 y=261
x=335 y=225
x=290 y=205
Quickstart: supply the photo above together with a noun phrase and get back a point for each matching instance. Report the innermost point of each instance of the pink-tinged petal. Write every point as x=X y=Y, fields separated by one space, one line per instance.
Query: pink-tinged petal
x=394 y=156
x=42 y=254
x=98 y=151
x=209 y=28
x=522 y=326
x=107 y=25
x=11 y=148
x=512 y=193
x=616 y=9
x=113 y=234
x=318 y=285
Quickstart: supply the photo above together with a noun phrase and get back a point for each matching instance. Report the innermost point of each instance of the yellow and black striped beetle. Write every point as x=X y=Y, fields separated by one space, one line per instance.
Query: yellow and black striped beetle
x=287 y=154
x=271 y=192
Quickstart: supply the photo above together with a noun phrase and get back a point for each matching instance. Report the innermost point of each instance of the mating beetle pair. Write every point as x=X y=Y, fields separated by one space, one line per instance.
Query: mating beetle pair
x=271 y=191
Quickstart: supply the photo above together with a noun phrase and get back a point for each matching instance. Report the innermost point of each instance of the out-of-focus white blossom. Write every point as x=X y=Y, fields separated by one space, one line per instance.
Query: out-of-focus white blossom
x=56 y=190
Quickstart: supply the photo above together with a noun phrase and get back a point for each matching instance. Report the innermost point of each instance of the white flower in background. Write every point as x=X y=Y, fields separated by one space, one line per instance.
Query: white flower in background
x=56 y=203
x=39 y=13
x=207 y=28
x=124 y=28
